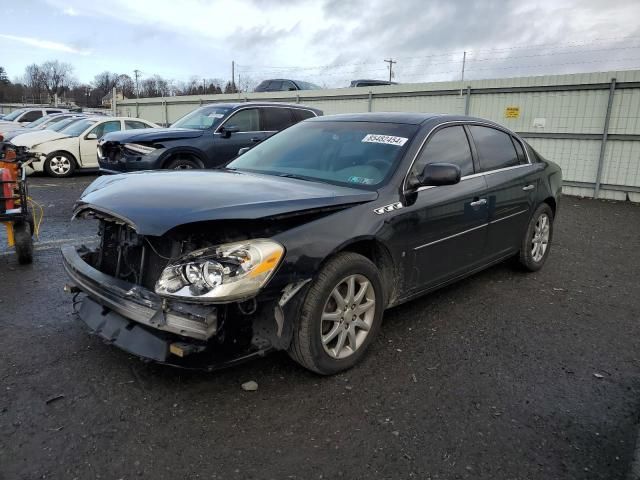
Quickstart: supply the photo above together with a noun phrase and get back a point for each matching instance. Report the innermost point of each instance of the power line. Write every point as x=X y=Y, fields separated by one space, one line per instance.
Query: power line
x=390 y=61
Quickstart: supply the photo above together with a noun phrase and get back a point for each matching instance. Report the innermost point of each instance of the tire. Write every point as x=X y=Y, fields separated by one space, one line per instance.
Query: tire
x=182 y=164
x=23 y=242
x=532 y=258
x=60 y=164
x=307 y=346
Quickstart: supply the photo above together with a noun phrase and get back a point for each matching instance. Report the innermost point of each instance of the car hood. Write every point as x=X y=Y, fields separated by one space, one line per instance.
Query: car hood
x=155 y=202
x=33 y=139
x=151 y=135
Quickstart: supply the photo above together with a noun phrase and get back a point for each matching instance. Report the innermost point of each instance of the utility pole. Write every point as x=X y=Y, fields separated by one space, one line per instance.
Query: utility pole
x=233 y=76
x=391 y=61
x=464 y=61
x=204 y=86
x=137 y=72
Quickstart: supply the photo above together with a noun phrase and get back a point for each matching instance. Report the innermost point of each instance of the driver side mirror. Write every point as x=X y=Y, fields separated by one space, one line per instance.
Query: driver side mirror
x=91 y=136
x=438 y=174
x=228 y=130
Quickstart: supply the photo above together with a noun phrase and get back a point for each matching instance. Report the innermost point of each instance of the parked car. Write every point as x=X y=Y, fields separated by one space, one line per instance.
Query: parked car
x=371 y=83
x=205 y=138
x=285 y=85
x=59 y=154
x=302 y=242
x=7 y=133
x=27 y=115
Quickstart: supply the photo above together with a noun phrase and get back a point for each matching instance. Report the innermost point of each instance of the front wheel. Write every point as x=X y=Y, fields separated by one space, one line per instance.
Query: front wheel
x=182 y=164
x=341 y=315
x=536 y=243
x=23 y=242
x=59 y=164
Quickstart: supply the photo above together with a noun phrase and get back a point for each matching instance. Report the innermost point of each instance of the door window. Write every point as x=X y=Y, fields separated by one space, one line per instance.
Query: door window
x=246 y=120
x=276 y=119
x=449 y=145
x=287 y=85
x=495 y=148
x=133 y=125
x=300 y=114
x=49 y=112
x=275 y=85
x=106 y=127
x=31 y=116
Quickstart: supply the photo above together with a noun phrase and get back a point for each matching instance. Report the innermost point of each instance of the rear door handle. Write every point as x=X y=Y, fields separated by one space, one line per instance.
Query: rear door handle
x=479 y=202
x=526 y=188
x=255 y=139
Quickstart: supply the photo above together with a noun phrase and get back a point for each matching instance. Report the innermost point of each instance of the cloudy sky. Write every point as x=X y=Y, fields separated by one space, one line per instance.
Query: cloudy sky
x=328 y=42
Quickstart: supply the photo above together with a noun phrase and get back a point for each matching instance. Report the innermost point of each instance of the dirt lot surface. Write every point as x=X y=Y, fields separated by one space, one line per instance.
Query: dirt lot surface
x=505 y=375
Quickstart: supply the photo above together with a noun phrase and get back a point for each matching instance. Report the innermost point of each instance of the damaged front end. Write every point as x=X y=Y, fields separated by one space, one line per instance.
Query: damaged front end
x=193 y=300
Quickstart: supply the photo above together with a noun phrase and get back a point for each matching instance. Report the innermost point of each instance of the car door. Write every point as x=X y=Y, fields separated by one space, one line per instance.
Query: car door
x=511 y=187
x=89 y=142
x=446 y=226
x=247 y=120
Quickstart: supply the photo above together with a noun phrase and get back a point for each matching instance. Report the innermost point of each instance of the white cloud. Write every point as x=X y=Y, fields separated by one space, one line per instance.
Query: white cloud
x=45 y=44
x=70 y=11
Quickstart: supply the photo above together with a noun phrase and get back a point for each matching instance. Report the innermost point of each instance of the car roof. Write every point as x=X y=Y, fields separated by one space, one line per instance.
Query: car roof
x=260 y=104
x=410 y=118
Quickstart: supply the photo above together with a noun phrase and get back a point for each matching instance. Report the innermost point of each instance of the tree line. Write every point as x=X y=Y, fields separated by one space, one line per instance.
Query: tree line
x=41 y=82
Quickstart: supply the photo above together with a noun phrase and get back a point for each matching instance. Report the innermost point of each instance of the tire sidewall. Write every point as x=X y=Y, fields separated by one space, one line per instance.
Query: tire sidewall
x=525 y=253
x=174 y=163
x=314 y=305
x=51 y=173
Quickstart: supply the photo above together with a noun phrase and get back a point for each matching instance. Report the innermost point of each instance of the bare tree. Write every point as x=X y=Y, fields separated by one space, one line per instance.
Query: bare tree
x=56 y=76
x=34 y=80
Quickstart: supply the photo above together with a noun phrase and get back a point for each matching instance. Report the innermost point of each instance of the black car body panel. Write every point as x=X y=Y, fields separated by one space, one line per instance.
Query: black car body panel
x=206 y=147
x=420 y=238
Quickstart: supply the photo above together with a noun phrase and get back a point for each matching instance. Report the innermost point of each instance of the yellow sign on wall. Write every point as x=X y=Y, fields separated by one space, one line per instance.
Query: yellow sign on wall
x=512 y=112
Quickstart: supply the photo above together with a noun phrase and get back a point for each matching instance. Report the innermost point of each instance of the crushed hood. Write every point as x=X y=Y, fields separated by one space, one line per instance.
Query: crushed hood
x=155 y=202
x=151 y=135
x=33 y=139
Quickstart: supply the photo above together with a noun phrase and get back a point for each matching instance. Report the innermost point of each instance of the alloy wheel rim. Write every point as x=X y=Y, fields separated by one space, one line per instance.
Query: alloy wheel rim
x=183 y=167
x=60 y=165
x=540 y=240
x=347 y=316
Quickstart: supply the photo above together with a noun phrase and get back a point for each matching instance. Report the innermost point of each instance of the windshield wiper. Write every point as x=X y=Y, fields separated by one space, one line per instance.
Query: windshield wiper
x=297 y=177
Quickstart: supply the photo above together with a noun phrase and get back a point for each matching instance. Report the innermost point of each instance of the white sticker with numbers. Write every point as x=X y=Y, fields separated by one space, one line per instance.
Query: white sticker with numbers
x=386 y=139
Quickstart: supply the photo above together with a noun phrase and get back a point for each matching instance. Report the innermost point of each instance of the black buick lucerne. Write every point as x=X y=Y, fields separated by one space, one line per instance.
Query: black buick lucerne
x=301 y=243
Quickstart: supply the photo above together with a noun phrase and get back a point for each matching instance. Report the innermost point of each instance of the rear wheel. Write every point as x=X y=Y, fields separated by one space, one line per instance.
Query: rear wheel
x=59 y=164
x=536 y=243
x=182 y=164
x=341 y=315
x=23 y=242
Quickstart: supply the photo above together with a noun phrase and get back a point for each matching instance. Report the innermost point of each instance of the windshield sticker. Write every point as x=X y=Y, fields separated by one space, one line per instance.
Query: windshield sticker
x=386 y=139
x=215 y=115
x=361 y=180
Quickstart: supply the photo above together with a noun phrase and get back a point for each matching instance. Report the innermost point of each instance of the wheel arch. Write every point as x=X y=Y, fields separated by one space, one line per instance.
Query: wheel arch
x=66 y=152
x=182 y=153
x=553 y=204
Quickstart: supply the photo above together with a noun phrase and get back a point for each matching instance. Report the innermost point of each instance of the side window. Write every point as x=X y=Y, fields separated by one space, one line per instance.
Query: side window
x=275 y=85
x=133 y=125
x=31 y=116
x=302 y=114
x=49 y=112
x=246 y=120
x=449 y=145
x=106 y=127
x=495 y=148
x=276 y=119
x=288 y=86
x=522 y=158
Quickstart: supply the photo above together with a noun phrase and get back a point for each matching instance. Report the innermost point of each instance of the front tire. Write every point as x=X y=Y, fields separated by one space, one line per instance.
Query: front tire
x=536 y=243
x=59 y=165
x=341 y=315
x=23 y=242
x=182 y=164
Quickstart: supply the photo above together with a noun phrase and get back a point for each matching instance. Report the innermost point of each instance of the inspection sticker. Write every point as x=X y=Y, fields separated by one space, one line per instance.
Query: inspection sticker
x=386 y=139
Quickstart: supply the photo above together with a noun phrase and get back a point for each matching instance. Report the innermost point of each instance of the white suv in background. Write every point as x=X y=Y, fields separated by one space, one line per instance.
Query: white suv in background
x=28 y=115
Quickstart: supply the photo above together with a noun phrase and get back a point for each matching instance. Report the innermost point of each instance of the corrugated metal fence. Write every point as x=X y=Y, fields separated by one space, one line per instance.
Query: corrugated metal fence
x=588 y=123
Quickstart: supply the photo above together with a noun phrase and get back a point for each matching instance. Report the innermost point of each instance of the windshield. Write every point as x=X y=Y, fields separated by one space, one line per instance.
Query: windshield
x=308 y=86
x=360 y=154
x=77 y=128
x=64 y=123
x=202 y=118
x=38 y=122
x=15 y=114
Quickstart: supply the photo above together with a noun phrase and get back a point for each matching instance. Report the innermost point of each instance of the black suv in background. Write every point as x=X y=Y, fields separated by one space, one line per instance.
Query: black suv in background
x=205 y=138
x=285 y=85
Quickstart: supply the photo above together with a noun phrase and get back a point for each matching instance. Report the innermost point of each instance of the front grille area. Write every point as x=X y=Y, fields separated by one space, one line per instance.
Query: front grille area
x=135 y=258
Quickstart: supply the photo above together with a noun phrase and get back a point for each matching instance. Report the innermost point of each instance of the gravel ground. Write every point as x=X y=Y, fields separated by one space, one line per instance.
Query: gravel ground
x=502 y=376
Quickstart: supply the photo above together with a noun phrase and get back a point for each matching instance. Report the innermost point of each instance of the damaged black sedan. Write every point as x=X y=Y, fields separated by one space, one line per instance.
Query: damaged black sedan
x=302 y=242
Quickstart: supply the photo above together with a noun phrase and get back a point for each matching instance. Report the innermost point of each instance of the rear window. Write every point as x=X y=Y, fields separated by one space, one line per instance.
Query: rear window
x=495 y=148
x=300 y=114
x=276 y=119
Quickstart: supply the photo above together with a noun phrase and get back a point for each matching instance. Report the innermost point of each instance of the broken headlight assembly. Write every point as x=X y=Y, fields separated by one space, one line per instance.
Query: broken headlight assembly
x=232 y=271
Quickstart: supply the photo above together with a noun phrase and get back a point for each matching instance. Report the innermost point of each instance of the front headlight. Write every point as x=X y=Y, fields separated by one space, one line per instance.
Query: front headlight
x=141 y=149
x=227 y=272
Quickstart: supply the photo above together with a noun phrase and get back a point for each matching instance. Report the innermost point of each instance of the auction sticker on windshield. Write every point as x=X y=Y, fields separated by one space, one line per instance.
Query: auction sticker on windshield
x=386 y=139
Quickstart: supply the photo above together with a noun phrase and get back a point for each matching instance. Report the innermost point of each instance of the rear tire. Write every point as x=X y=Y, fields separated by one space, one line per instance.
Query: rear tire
x=340 y=316
x=536 y=243
x=60 y=164
x=23 y=242
x=182 y=164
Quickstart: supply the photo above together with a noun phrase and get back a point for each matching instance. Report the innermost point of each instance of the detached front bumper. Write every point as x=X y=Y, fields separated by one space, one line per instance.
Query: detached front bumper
x=185 y=335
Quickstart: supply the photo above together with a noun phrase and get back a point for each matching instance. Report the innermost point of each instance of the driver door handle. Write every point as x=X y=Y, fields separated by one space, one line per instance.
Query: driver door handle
x=255 y=139
x=526 y=188
x=478 y=203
